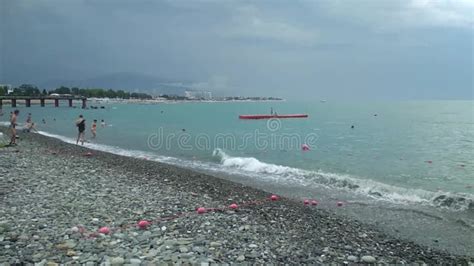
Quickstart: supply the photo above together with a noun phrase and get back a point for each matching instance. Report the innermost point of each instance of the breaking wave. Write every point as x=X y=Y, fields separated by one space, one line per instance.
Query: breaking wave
x=367 y=187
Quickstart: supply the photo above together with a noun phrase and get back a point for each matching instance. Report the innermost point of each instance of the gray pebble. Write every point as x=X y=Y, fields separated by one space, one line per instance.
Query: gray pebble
x=135 y=262
x=117 y=261
x=241 y=258
x=215 y=244
x=368 y=259
x=352 y=258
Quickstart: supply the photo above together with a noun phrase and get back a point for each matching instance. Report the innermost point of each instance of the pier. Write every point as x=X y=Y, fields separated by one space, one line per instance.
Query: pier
x=42 y=99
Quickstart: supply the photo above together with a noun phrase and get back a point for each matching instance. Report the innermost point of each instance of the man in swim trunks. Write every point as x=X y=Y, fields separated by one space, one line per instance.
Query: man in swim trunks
x=81 y=127
x=13 y=127
x=94 y=128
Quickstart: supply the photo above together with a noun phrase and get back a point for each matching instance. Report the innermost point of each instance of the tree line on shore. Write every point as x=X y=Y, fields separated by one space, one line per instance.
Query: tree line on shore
x=32 y=90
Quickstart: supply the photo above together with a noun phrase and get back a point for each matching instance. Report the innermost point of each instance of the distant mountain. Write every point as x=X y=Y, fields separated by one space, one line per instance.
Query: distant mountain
x=124 y=81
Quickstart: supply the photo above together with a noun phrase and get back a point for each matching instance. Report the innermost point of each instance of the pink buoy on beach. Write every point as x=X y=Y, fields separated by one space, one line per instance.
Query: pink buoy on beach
x=314 y=202
x=104 y=230
x=201 y=210
x=339 y=204
x=274 y=197
x=306 y=202
x=233 y=206
x=305 y=147
x=143 y=224
x=88 y=154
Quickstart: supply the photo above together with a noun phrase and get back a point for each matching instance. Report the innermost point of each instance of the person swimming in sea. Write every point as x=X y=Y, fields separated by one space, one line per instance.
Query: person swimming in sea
x=81 y=127
x=94 y=128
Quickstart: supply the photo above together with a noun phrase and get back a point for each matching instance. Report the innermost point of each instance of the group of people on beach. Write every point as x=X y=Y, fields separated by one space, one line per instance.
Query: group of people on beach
x=81 y=127
x=31 y=126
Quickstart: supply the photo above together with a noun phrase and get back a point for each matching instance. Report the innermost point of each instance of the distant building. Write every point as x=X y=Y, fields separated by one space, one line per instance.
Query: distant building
x=8 y=86
x=192 y=94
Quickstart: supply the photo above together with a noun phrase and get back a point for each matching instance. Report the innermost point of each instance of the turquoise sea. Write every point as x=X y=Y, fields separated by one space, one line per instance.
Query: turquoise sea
x=415 y=156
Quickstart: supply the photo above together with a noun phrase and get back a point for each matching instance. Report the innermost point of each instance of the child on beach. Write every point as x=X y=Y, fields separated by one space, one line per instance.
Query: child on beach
x=94 y=128
x=30 y=127
x=81 y=127
x=13 y=126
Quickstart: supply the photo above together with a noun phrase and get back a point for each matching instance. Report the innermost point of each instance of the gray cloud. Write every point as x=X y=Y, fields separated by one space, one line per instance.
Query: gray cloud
x=312 y=49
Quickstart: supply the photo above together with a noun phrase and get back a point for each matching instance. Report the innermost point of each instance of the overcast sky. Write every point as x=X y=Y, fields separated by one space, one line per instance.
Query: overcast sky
x=409 y=49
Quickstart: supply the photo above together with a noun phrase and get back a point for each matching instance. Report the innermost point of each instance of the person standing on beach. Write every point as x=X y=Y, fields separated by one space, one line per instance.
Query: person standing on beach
x=28 y=119
x=13 y=126
x=81 y=127
x=94 y=128
x=102 y=123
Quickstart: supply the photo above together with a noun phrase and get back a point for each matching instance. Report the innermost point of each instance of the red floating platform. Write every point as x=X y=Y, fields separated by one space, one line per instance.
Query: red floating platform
x=272 y=116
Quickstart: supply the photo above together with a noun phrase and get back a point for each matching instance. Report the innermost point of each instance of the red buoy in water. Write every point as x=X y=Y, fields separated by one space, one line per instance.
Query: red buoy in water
x=305 y=147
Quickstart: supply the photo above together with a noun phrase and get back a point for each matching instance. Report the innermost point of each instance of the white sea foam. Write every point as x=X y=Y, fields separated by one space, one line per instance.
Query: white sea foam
x=367 y=187
x=254 y=168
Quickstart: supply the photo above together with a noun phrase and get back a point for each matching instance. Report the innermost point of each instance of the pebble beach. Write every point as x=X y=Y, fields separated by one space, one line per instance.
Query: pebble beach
x=55 y=196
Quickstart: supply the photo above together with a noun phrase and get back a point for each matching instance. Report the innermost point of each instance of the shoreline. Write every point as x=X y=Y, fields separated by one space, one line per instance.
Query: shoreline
x=153 y=101
x=282 y=231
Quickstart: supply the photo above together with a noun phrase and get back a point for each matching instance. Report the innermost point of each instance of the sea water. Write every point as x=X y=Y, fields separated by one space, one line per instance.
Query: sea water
x=396 y=156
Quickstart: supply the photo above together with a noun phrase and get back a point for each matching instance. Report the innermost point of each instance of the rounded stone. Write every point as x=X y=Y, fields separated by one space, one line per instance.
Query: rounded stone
x=368 y=259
